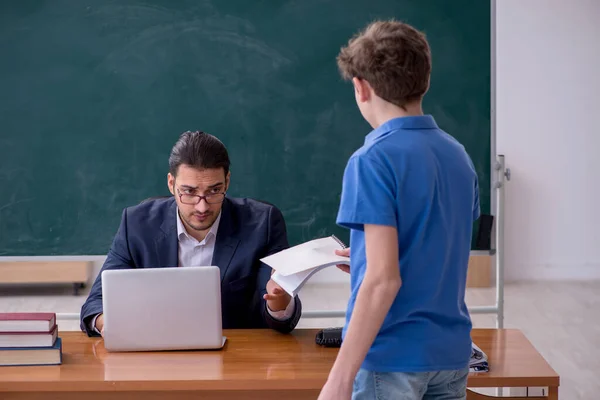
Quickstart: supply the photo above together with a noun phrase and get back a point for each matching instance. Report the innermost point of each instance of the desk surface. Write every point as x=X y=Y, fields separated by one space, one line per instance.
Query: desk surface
x=251 y=360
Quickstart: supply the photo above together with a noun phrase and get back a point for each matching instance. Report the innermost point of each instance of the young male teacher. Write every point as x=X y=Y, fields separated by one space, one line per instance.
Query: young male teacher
x=201 y=226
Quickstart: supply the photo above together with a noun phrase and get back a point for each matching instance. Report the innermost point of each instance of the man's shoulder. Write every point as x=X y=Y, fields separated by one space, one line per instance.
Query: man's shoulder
x=151 y=211
x=252 y=215
x=250 y=206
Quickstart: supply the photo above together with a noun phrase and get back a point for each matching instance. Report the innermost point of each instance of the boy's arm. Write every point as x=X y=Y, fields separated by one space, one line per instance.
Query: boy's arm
x=374 y=299
x=368 y=203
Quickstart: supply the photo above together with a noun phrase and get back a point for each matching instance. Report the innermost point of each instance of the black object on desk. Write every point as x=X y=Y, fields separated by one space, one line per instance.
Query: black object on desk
x=329 y=337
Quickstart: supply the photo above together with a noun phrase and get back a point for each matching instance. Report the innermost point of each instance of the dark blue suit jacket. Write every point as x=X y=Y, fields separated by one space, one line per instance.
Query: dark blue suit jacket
x=248 y=231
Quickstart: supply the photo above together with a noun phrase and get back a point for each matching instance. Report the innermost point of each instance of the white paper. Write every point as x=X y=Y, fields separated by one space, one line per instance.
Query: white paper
x=306 y=256
x=293 y=283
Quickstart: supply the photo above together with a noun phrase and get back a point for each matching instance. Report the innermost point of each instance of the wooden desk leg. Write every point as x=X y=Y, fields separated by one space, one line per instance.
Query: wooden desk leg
x=553 y=393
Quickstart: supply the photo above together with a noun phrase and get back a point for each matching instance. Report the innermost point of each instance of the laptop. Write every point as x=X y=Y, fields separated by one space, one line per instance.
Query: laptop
x=153 y=309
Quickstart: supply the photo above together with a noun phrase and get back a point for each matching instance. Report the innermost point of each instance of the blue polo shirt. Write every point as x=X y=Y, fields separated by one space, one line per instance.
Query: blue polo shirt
x=412 y=175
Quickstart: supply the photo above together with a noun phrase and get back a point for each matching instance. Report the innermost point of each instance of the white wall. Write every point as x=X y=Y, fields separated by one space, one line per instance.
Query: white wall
x=548 y=127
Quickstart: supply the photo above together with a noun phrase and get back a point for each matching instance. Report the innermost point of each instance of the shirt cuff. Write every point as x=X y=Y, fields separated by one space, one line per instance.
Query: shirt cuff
x=93 y=324
x=284 y=314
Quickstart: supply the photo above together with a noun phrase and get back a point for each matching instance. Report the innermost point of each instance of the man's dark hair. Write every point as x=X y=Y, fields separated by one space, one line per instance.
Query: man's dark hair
x=199 y=150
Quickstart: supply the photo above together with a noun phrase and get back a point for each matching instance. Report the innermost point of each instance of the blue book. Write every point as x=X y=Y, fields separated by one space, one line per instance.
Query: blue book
x=22 y=356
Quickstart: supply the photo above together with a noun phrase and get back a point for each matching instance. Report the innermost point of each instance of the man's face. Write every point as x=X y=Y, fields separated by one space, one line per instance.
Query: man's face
x=191 y=182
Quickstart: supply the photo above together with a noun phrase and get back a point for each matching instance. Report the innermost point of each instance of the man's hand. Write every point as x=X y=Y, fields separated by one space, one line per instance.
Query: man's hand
x=343 y=253
x=100 y=324
x=277 y=298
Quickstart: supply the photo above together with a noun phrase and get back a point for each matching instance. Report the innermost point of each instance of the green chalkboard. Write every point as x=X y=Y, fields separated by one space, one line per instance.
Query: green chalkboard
x=93 y=94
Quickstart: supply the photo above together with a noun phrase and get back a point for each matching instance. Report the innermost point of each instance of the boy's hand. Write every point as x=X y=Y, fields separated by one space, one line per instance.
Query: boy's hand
x=336 y=391
x=344 y=253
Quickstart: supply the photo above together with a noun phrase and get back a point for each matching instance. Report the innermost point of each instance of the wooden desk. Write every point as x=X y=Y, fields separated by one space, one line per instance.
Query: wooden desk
x=255 y=364
x=514 y=362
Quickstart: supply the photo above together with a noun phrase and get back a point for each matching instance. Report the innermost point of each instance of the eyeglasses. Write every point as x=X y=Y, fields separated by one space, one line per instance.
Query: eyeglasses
x=193 y=199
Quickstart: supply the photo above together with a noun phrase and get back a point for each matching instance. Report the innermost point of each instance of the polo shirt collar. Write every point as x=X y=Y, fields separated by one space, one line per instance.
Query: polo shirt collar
x=412 y=122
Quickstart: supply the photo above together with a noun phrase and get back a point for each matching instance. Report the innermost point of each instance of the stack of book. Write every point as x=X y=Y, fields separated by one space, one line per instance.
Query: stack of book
x=29 y=339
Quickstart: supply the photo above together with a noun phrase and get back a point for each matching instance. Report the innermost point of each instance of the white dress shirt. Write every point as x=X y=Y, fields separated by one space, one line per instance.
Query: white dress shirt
x=193 y=253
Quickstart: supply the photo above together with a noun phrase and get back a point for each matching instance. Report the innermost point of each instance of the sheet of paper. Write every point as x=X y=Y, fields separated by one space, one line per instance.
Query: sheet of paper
x=293 y=283
x=305 y=256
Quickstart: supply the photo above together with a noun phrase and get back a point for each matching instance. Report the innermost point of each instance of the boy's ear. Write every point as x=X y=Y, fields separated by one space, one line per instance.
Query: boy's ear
x=362 y=89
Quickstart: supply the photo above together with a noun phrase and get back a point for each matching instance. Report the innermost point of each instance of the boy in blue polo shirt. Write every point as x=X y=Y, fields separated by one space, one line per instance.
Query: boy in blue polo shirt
x=409 y=197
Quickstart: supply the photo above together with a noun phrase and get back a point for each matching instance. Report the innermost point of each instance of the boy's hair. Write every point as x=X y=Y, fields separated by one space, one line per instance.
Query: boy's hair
x=393 y=57
x=199 y=150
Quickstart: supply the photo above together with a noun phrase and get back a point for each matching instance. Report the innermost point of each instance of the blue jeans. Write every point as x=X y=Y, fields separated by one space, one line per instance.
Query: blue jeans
x=442 y=385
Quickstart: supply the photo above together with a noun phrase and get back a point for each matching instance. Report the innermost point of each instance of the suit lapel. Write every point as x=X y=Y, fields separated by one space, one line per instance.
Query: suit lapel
x=166 y=244
x=227 y=240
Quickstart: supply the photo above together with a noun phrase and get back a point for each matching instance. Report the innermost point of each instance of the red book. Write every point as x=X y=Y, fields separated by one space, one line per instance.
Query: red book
x=27 y=322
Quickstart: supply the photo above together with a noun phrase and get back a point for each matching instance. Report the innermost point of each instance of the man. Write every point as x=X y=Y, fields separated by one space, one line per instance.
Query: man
x=199 y=226
x=409 y=197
